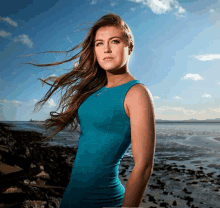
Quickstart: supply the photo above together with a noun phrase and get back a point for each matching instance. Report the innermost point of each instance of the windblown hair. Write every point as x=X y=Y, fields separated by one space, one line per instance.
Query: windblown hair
x=85 y=78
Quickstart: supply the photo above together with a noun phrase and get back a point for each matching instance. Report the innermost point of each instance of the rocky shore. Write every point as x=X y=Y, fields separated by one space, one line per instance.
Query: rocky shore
x=33 y=174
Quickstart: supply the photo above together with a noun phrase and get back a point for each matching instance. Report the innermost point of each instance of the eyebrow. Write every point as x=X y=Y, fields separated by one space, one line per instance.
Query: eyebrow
x=110 y=38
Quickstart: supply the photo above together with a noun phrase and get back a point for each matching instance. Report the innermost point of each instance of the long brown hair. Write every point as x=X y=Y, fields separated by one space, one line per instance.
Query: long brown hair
x=85 y=78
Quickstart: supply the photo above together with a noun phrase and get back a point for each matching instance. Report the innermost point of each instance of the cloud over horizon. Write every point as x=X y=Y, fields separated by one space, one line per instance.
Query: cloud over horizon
x=4 y=34
x=24 y=39
x=194 y=77
x=208 y=57
x=161 y=7
x=9 y=21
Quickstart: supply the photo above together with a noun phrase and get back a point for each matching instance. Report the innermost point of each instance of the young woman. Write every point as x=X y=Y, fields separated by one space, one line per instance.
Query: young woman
x=114 y=110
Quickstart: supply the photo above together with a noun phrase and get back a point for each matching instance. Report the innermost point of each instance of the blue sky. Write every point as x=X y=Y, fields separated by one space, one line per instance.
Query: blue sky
x=176 y=52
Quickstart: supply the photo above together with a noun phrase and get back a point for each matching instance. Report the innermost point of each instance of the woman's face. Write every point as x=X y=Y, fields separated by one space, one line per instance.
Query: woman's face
x=109 y=42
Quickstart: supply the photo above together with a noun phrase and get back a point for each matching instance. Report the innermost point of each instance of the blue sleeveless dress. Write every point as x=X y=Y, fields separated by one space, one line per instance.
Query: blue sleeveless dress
x=105 y=137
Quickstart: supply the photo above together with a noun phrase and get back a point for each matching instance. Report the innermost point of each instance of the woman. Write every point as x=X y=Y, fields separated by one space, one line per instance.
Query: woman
x=114 y=110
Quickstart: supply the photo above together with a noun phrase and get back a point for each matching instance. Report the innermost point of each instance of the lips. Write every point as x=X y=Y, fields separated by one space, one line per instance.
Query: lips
x=108 y=58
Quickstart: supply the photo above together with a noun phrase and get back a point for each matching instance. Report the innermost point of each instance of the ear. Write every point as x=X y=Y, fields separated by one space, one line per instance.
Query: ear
x=130 y=50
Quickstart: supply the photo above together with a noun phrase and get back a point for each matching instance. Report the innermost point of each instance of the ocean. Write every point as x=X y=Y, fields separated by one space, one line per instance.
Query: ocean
x=189 y=144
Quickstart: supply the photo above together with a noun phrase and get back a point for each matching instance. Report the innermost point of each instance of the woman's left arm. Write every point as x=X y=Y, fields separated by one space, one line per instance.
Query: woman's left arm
x=142 y=121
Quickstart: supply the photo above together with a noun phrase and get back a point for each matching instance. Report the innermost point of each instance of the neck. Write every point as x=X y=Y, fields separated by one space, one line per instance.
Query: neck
x=116 y=76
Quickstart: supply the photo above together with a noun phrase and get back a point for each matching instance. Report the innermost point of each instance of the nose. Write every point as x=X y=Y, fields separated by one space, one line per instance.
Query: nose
x=107 y=48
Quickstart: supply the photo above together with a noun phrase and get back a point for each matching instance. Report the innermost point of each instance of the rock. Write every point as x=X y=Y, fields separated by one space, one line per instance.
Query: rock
x=11 y=178
x=16 y=159
x=34 y=204
x=214 y=166
x=3 y=149
x=186 y=191
x=188 y=203
x=216 y=189
x=40 y=182
x=151 y=198
x=54 y=202
x=174 y=203
x=13 y=205
x=12 y=190
x=33 y=182
x=26 y=181
x=210 y=174
x=188 y=198
x=43 y=175
x=12 y=197
x=164 y=204
x=5 y=169
x=204 y=180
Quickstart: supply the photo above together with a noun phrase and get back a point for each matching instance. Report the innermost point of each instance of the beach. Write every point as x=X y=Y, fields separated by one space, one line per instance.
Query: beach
x=184 y=179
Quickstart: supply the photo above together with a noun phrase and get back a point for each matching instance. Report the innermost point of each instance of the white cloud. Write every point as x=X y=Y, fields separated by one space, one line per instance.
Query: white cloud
x=162 y=6
x=113 y=4
x=156 y=97
x=4 y=34
x=208 y=57
x=173 y=110
x=187 y=112
x=24 y=39
x=193 y=77
x=9 y=20
x=16 y=101
x=51 y=102
x=207 y=95
x=180 y=113
x=219 y=83
x=94 y=2
x=177 y=97
x=211 y=10
x=216 y=110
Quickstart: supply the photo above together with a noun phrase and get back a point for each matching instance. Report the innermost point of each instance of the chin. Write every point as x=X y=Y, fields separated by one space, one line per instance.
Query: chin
x=110 y=68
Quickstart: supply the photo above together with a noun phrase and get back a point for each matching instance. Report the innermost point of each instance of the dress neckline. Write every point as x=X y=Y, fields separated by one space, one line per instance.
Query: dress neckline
x=119 y=85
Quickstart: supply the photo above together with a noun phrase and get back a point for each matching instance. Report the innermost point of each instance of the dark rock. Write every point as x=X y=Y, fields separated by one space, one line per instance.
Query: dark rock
x=151 y=198
x=12 y=197
x=164 y=204
x=188 y=203
x=13 y=205
x=188 y=198
x=9 y=179
x=174 y=203
x=186 y=191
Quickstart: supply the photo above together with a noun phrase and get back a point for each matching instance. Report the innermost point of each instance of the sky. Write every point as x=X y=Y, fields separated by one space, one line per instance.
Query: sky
x=176 y=52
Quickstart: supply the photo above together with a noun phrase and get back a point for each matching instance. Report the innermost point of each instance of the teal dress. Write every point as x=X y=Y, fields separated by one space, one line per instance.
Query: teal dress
x=105 y=137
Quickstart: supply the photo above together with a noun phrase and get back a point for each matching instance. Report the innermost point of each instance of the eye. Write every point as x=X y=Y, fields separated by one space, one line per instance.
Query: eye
x=98 y=43
x=116 y=41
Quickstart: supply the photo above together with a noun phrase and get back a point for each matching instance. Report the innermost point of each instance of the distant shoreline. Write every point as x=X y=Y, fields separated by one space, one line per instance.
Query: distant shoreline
x=156 y=121
x=187 y=121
